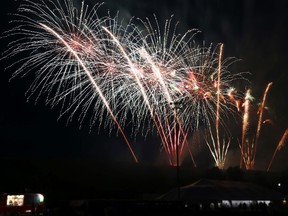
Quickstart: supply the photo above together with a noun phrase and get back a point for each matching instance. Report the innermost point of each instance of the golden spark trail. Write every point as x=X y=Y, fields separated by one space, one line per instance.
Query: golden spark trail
x=279 y=146
x=218 y=150
x=245 y=121
x=260 y=117
x=218 y=99
x=88 y=73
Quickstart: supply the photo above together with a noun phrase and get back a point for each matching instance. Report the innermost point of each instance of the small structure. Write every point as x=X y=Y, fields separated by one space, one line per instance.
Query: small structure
x=22 y=204
x=218 y=193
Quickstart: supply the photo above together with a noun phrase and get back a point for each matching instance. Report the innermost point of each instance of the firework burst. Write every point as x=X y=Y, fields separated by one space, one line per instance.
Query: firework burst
x=65 y=50
x=97 y=68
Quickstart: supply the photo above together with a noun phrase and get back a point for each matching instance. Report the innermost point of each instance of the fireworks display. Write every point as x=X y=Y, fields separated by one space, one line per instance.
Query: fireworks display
x=138 y=75
x=279 y=146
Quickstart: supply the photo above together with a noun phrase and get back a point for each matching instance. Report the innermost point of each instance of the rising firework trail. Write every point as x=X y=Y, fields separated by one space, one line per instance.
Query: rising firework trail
x=218 y=150
x=279 y=146
x=245 y=148
x=218 y=98
x=261 y=109
x=248 y=146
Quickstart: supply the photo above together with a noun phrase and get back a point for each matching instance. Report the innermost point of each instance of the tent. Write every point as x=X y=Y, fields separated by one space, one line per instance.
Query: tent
x=206 y=190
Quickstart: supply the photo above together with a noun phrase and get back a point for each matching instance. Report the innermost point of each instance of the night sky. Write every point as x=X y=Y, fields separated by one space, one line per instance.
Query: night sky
x=254 y=31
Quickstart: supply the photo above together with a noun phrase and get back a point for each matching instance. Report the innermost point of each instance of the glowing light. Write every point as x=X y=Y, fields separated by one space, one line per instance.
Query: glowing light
x=15 y=200
x=40 y=198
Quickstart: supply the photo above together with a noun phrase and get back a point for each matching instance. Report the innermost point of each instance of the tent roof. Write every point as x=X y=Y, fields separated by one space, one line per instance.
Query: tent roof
x=205 y=189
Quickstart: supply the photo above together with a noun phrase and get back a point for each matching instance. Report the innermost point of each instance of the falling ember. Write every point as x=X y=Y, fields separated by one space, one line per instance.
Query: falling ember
x=279 y=146
x=268 y=121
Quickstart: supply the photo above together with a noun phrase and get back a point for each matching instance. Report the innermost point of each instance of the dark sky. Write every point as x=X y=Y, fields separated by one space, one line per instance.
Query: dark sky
x=254 y=31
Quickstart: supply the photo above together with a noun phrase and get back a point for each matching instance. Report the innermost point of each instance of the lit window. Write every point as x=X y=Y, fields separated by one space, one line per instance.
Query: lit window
x=15 y=200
